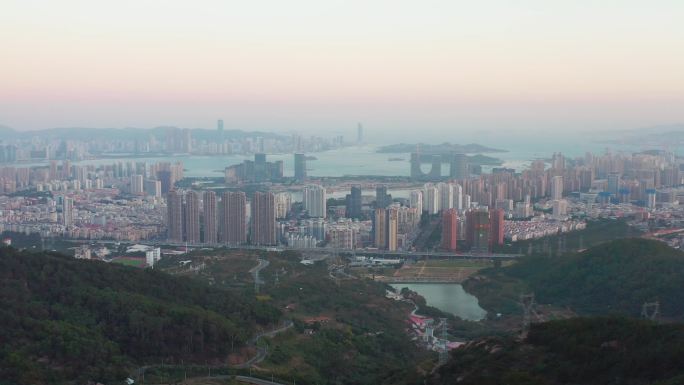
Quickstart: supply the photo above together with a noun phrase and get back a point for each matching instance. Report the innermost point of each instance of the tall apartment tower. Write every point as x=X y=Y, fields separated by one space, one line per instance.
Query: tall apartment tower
x=431 y=199
x=67 y=211
x=416 y=200
x=233 y=221
x=283 y=202
x=260 y=172
x=315 y=201
x=496 y=227
x=300 y=167
x=137 y=187
x=557 y=187
x=478 y=230
x=174 y=217
x=354 y=203
x=446 y=196
x=263 y=219
x=458 y=168
x=380 y=228
x=209 y=217
x=192 y=217
x=151 y=187
x=450 y=230
x=382 y=199
x=392 y=228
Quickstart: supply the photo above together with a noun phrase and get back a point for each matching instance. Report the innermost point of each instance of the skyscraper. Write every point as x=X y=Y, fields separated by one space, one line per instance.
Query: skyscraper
x=458 y=168
x=359 y=133
x=449 y=230
x=165 y=177
x=192 y=217
x=174 y=217
x=314 y=198
x=446 y=196
x=382 y=199
x=67 y=211
x=613 y=182
x=416 y=200
x=283 y=202
x=392 y=227
x=233 y=218
x=380 y=228
x=137 y=187
x=496 y=227
x=478 y=230
x=300 y=167
x=354 y=203
x=260 y=172
x=263 y=219
x=458 y=197
x=209 y=217
x=557 y=187
x=152 y=187
x=431 y=199
x=558 y=161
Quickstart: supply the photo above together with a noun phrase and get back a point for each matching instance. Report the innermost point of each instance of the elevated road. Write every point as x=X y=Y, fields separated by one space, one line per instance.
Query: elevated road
x=365 y=252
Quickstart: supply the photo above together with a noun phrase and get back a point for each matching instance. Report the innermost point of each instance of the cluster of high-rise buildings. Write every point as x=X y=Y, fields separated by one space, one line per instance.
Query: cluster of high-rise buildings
x=197 y=218
x=81 y=201
x=260 y=170
x=161 y=140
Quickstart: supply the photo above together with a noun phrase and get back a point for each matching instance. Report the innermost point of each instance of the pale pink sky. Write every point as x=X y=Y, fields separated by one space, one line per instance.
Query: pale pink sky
x=317 y=64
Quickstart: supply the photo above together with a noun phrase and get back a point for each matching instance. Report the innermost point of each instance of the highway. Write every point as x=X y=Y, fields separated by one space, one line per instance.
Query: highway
x=365 y=252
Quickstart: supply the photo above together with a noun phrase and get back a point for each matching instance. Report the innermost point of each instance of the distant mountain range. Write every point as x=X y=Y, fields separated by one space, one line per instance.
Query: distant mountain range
x=85 y=133
x=444 y=148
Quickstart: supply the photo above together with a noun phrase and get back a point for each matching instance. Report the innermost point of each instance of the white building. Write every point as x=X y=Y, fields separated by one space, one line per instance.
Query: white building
x=458 y=197
x=283 y=203
x=431 y=199
x=446 y=196
x=314 y=198
x=137 y=187
x=416 y=200
x=557 y=187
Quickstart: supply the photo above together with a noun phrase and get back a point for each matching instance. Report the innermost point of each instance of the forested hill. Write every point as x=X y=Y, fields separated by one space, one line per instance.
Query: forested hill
x=66 y=320
x=590 y=351
x=615 y=277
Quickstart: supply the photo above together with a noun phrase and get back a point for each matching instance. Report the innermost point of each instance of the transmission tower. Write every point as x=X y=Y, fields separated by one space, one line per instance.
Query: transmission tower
x=444 y=349
x=528 y=304
x=650 y=310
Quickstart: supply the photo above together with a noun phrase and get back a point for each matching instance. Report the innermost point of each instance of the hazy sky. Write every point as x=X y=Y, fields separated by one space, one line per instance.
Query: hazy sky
x=423 y=66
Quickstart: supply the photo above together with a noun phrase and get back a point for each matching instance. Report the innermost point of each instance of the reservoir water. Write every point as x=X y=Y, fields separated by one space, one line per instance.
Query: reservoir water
x=448 y=297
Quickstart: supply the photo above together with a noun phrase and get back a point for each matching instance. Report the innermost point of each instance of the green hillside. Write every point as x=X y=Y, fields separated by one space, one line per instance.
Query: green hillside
x=588 y=351
x=615 y=277
x=71 y=321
